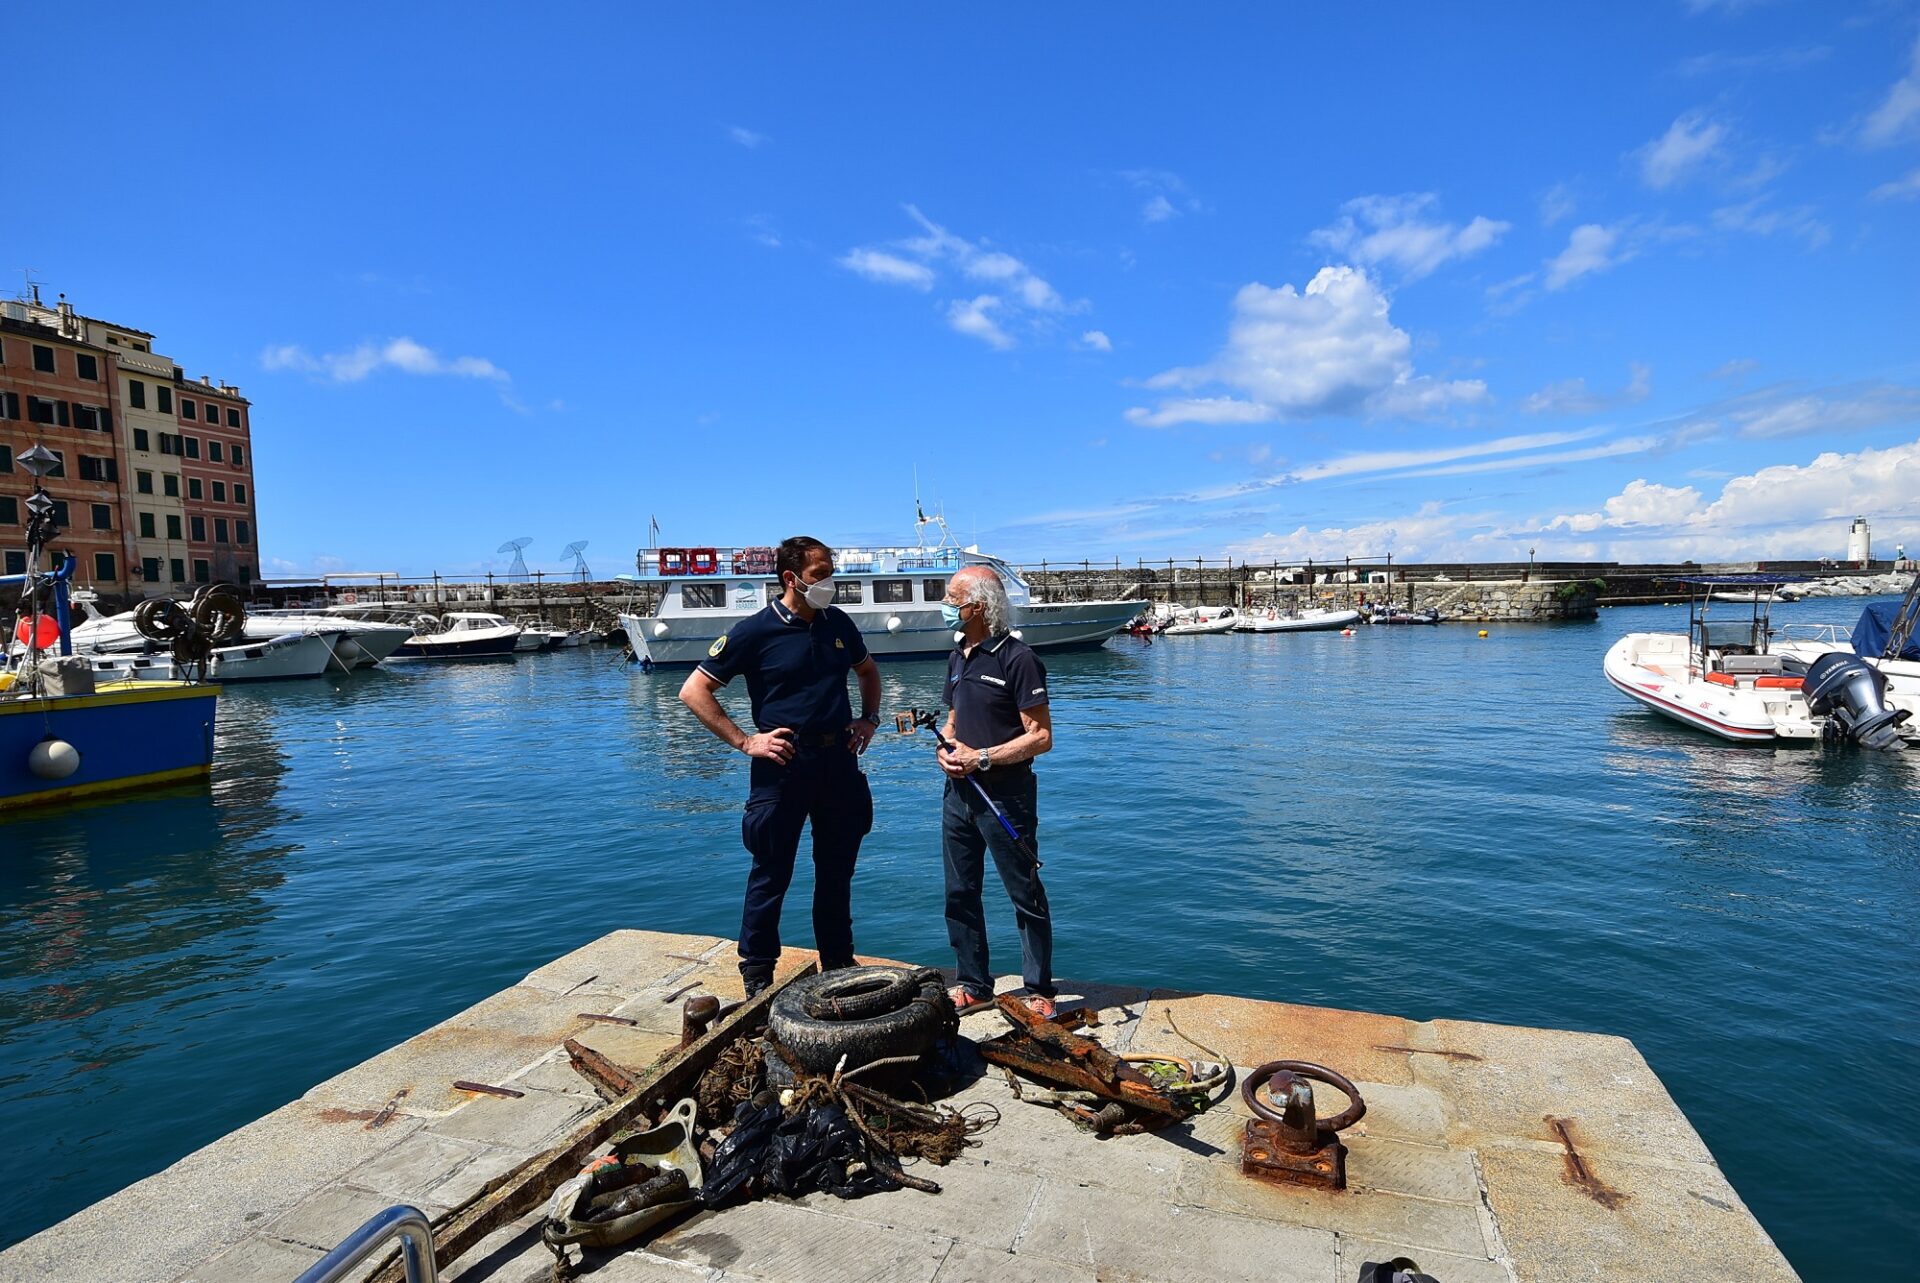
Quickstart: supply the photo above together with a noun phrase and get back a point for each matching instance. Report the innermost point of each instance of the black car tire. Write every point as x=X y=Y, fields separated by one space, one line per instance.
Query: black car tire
x=818 y=1043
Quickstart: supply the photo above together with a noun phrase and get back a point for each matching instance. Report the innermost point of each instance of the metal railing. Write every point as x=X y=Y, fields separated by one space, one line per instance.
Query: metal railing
x=408 y=1224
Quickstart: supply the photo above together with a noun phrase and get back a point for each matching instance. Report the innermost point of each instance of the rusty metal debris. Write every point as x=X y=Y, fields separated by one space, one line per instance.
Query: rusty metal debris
x=387 y=1111
x=1578 y=1174
x=487 y=1089
x=1292 y=1144
x=682 y=991
x=1048 y=1050
x=607 y=1020
x=609 y=1080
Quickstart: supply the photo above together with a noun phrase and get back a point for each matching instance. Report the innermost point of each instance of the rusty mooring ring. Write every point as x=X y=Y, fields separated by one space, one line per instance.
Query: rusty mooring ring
x=1250 y=1092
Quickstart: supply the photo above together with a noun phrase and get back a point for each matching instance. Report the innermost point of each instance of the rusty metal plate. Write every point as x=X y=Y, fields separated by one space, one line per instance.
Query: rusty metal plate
x=1263 y=1154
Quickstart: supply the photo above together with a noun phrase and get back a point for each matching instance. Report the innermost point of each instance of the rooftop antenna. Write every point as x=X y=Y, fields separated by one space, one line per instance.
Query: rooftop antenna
x=518 y=570
x=33 y=286
x=577 y=550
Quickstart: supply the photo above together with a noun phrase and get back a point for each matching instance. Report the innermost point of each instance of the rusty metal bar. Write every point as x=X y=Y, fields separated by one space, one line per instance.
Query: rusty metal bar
x=1044 y=1050
x=607 y=1078
x=487 y=1089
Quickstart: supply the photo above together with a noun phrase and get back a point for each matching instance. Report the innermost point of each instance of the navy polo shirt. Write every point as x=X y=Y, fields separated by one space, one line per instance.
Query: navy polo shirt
x=796 y=671
x=989 y=688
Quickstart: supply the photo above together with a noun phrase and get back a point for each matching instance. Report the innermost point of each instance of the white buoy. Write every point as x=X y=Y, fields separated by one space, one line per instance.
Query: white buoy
x=1018 y=635
x=659 y=628
x=895 y=623
x=53 y=759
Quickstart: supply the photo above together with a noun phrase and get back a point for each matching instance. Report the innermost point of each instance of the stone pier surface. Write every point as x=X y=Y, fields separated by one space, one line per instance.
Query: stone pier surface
x=1488 y=1154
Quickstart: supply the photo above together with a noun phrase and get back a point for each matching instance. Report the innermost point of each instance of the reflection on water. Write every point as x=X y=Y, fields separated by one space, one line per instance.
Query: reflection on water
x=1413 y=820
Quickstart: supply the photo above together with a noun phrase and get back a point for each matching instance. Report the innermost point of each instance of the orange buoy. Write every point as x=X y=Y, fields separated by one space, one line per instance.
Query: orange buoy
x=42 y=631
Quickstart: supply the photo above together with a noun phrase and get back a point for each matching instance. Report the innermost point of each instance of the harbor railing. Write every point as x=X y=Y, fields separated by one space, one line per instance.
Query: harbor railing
x=408 y=1224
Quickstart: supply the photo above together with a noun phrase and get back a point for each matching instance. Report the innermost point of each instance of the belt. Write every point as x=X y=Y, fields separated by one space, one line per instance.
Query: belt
x=819 y=739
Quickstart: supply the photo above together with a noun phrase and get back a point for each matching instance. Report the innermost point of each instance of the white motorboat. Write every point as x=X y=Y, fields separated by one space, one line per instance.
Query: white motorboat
x=460 y=634
x=1306 y=621
x=892 y=594
x=357 y=643
x=1205 y=623
x=275 y=659
x=1723 y=677
x=537 y=634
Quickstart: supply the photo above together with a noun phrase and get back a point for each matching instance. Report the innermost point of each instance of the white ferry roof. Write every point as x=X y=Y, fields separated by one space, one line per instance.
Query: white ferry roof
x=700 y=561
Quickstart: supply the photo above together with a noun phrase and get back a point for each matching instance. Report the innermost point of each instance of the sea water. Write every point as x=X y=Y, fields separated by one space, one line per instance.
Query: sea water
x=1412 y=820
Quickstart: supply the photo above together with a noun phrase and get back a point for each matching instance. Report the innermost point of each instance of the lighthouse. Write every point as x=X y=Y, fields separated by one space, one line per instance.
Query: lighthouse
x=1859 y=542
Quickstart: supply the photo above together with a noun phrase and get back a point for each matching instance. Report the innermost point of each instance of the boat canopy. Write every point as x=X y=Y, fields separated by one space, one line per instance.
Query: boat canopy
x=1876 y=624
x=1740 y=581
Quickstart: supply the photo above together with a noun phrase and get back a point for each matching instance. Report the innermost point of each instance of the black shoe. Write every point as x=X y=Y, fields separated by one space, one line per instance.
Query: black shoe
x=837 y=964
x=756 y=985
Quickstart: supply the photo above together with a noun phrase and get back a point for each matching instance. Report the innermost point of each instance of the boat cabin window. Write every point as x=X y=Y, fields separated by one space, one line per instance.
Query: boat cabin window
x=846 y=591
x=703 y=596
x=933 y=590
x=887 y=591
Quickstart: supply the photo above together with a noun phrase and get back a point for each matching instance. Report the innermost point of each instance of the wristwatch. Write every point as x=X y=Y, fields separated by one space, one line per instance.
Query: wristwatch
x=873 y=718
x=985 y=760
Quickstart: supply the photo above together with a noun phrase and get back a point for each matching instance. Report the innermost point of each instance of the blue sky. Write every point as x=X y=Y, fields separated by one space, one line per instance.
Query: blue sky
x=1116 y=281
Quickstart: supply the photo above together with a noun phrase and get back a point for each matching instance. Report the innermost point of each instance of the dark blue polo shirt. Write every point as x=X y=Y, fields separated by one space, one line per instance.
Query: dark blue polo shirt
x=796 y=672
x=990 y=687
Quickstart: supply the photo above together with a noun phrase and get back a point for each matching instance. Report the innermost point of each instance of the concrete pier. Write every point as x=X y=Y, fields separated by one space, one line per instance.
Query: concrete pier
x=1488 y=1154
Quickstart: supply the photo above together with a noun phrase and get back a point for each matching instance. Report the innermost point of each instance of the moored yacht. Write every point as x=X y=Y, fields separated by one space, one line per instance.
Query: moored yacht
x=1723 y=676
x=892 y=594
x=460 y=634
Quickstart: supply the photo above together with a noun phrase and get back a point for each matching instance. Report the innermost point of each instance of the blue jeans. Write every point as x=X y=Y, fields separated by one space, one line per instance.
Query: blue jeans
x=827 y=788
x=968 y=830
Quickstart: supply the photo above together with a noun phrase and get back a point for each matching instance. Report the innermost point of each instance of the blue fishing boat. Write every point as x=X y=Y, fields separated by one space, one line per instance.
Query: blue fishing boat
x=61 y=735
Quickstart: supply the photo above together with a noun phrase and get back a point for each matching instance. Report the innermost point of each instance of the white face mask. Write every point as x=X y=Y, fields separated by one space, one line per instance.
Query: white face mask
x=819 y=595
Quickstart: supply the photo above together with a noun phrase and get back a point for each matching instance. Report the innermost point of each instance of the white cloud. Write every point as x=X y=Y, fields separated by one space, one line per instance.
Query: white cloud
x=1843 y=410
x=1572 y=396
x=1020 y=296
x=1906 y=188
x=1753 y=217
x=1167 y=194
x=888 y=269
x=1723 y=6
x=970 y=317
x=745 y=137
x=1738 y=368
x=1326 y=350
x=1431 y=533
x=1786 y=58
x=1556 y=204
x=1397 y=231
x=1898 y=114
x=402 y=354
x=1787 y=510
x=1692 y=142
x=1096 y=341
x=1591 y=248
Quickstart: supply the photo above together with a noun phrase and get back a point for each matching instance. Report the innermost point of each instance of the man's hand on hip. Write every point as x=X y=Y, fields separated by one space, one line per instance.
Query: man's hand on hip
x=775 y=745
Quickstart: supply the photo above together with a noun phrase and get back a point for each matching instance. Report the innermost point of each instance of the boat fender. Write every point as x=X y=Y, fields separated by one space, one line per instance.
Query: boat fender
x=53 y=759
x=42 y=632
x=659 y=628
x=895 y=623
x=1346 y=632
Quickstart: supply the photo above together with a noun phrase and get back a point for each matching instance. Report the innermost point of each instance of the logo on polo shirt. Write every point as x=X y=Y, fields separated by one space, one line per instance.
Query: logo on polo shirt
x=1039 y=690
x=719 y=644
x=997 y=681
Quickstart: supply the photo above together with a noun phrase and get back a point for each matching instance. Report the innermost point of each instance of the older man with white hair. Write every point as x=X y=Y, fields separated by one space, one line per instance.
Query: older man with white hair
x=998 y=723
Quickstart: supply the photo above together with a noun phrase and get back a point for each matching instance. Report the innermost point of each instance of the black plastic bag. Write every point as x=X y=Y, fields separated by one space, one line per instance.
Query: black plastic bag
x=739 y=1157
x=813 y=1150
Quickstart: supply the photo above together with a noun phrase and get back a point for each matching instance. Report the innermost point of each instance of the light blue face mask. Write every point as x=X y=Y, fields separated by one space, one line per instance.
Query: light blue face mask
x=950 y=615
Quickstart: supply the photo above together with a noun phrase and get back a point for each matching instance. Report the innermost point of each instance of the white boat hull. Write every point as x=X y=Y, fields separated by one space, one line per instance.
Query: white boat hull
x=291 y=655
x=1311 y=622
x=1657 y=670
x=907 y=632
x=1202 y=627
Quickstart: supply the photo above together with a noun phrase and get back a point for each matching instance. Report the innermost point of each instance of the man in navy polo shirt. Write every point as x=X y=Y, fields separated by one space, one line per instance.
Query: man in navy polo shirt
x=796 y=654
x=997 y=688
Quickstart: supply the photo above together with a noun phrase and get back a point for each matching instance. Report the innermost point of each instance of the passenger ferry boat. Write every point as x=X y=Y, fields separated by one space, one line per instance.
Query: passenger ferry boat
x=892 y=594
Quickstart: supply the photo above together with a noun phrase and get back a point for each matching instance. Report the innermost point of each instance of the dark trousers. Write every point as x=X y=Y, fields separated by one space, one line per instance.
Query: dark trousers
x=968 y=830
x=824 y=786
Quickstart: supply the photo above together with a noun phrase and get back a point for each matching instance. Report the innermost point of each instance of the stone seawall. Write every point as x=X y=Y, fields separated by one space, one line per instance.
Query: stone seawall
x=1511 y=600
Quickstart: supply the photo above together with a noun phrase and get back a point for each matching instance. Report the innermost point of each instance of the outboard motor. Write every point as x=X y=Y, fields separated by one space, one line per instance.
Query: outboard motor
x=1853 y=693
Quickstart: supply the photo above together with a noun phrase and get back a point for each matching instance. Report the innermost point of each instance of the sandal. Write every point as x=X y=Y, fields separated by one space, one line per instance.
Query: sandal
x=964 y=1000
x=1039 y=1006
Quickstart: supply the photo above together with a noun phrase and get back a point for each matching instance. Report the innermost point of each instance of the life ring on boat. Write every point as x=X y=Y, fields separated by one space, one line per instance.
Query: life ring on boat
x=42 y=632
x=703 y=561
